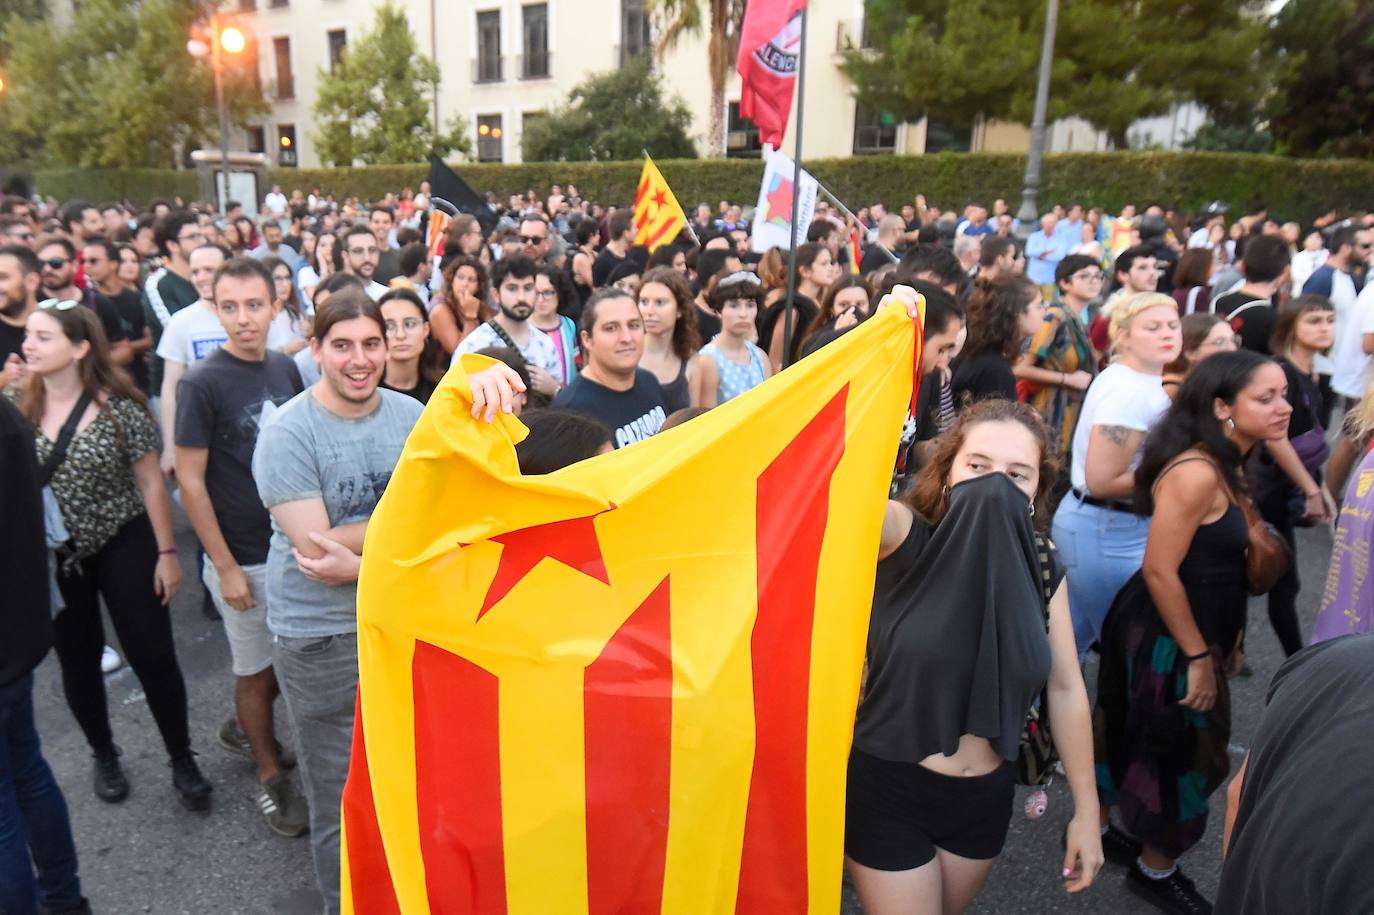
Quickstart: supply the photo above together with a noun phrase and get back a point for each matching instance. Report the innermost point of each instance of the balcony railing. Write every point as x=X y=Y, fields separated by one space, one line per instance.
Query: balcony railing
x=488 y=69
x=535 y=66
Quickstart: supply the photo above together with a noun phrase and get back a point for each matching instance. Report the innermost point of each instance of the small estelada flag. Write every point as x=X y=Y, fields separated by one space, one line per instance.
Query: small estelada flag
x=438 y=225
x=658 y=215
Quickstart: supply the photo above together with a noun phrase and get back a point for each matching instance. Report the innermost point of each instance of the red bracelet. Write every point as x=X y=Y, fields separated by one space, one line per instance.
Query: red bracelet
x=170 y=550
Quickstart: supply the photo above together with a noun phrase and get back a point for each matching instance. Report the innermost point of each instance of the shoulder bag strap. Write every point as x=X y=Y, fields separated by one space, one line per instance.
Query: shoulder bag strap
x=501 y=332
x=64 y=441
x=1192 y=300
x=1042 y=553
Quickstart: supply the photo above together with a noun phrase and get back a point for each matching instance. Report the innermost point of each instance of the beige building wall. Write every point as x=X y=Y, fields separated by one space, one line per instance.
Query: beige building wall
x=584 y=36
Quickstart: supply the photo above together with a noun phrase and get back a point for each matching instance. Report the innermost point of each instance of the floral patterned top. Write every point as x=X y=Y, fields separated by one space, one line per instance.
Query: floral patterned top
x=95 y=485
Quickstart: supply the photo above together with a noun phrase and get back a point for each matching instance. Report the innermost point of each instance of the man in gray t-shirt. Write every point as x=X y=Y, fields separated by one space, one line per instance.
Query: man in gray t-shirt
x=306 y=452
x=321 y=465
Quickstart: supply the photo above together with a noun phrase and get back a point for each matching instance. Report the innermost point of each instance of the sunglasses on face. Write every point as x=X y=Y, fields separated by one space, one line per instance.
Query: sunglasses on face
x=56 y=263
x=532 y=239
x=58 y=304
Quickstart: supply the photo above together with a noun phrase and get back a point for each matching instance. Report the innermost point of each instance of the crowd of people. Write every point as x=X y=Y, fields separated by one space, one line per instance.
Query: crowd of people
x=1111 y=408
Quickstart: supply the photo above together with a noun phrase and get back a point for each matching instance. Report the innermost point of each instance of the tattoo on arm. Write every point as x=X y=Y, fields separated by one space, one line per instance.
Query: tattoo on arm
x=1119 y=436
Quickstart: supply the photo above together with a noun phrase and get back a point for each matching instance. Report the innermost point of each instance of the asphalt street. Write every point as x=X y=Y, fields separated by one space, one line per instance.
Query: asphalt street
x=149 y=855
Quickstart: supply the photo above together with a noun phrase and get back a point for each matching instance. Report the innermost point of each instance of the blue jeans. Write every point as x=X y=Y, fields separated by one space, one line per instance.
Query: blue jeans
x=1101 y=549
x=319 y=680
x=33 y=816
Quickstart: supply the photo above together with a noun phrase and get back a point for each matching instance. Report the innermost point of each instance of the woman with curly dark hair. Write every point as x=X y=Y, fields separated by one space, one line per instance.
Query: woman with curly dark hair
x=671 y=339
x=931 y=782
x=464 y=305
x=1002 y=314
x=1163 y=719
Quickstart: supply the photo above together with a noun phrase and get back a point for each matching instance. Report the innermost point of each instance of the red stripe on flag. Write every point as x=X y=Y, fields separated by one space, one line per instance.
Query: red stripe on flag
x=628 y=712
x=641 y=191
x=367 y=868
x=458 y=783
x=663 y=227
x=793 y=508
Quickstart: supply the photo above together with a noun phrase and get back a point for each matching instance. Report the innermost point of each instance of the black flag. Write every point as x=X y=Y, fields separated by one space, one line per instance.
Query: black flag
x=445 y=184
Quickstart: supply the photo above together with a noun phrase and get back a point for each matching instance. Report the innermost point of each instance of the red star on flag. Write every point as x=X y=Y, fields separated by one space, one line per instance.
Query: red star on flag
x=660 y=199
x=572 y=542
x=780 y=201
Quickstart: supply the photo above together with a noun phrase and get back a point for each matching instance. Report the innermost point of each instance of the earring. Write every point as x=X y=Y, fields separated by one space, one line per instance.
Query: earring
x=1230 y=423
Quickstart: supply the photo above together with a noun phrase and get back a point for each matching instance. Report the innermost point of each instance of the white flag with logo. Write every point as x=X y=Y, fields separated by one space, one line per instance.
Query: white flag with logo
x=773 y=214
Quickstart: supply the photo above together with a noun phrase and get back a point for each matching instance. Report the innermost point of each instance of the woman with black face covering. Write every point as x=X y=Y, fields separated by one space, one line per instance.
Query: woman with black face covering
x=958 y=649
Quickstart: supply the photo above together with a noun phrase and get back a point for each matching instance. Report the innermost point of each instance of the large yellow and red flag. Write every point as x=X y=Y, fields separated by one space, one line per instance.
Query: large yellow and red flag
x=627 y=686
x=658 y=215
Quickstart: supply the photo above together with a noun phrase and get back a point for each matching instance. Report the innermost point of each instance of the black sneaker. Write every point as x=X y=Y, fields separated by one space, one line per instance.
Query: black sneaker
x=110 y=784
x=190 y=784
x=1175 y=893
x=1120 y=847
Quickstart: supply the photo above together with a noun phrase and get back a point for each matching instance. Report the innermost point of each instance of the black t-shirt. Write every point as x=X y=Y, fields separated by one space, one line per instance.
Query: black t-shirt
x=873 y=259
x=708 y=325
x=222 y=403
x=1254 y=325
x=982 y=376
x=11 y=340
x=423 y=390
x=109 y=316
x=604 y=265
x=633 y=415
x=26 y=611
x=129 y=307
x=1303 y=830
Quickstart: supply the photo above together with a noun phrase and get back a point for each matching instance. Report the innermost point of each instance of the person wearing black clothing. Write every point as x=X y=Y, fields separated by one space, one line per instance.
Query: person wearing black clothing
x=1002 y=314
x=39 y=832
x=621 y=228
x=1285 y=475
x=930 y=783
x=1250 y=309
x=20 y=276
x=414 y=362
x=612 y=388
x=1298 y=825
x=100 y=259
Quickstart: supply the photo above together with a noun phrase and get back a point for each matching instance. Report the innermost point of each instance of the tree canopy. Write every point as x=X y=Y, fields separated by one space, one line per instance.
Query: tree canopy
x=613 y=115
x=116 y=88
x=1113 y=63
x=1323 y=99
x=374 y=106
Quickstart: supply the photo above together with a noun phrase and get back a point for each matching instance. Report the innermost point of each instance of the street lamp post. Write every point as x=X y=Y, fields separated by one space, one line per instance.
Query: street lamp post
x=1029 y=214
x=222 y=41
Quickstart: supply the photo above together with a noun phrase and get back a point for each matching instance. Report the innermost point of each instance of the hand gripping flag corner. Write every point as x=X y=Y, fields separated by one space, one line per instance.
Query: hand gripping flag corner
x=628 y=686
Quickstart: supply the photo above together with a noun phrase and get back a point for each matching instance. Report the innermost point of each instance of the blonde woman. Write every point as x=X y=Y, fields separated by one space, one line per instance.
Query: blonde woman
x=1099 y=534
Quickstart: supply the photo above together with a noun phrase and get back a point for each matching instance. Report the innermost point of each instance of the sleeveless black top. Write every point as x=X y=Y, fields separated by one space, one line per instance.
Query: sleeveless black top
x=957 y=642
x=676 y=394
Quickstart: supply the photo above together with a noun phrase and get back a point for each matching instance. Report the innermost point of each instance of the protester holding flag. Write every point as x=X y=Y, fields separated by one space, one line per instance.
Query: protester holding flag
x=816 y=270
x=931 y=780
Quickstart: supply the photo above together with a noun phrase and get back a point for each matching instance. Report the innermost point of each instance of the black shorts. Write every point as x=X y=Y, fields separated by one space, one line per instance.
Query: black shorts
x=897 y=813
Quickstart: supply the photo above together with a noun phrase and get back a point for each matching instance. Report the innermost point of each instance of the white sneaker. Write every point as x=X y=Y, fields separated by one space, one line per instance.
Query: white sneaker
x=110 y=661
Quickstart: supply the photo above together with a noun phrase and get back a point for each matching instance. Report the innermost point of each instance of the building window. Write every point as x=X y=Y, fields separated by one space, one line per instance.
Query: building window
x=279 y=4
x=488 y=62
x=874 y=132
x=945 y=137
x=534 y=61
x=635 y=37
x=489 y=138
x=257 y=139
x=742 y=137
x=286 y=144
x=248 y=6
x=338 y=41
x=286 y=83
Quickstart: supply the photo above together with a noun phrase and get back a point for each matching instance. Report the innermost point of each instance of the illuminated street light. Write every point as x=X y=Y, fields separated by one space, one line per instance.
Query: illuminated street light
x=232 y=40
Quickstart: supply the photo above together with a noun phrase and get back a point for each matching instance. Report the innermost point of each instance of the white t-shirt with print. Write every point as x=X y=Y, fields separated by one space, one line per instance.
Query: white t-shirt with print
x=1120 y=396
x=540 y=350
x=192 y=334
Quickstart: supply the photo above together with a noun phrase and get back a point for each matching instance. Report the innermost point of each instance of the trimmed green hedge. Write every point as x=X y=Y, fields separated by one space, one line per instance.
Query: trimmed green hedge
x=1291 y=188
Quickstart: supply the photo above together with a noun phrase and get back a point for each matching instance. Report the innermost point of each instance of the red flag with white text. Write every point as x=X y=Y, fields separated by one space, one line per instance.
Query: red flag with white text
x=769 y=55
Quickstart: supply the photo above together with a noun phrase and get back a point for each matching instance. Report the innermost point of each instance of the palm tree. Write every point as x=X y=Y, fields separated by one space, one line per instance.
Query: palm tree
x=682 y=16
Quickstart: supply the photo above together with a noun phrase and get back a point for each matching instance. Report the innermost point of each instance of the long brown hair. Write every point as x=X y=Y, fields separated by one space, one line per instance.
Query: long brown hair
x=100 y=378
x=484 y=310
x=929 y=497
x=686 y=337
x=994 y=315
x=826 y=315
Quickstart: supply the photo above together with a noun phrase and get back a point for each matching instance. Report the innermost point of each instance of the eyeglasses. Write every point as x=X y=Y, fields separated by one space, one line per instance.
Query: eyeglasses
x=405 y=328
x=58 y=304
x=546 y=294
x=56 y=263
x=533 y=239
x=1090 y=276
x=361 y=252
x=1232 y=342
x=191 y=237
